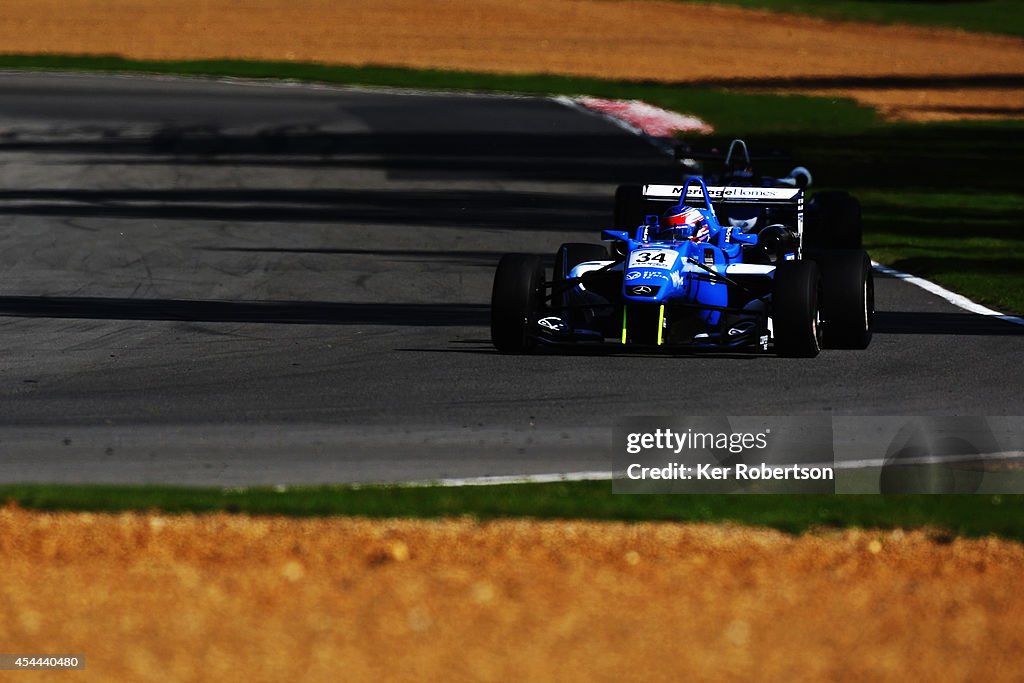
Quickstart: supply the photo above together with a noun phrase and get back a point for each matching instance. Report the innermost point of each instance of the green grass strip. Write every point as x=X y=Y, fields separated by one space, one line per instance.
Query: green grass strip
x=949 y=515
x=988 y=16
x=940 y=200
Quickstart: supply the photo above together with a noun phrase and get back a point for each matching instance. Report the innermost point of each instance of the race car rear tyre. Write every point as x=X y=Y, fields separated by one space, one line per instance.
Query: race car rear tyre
x=796 y=318
x=848 y=297
x=518 y=292
x=630 y=207
x=833 y=222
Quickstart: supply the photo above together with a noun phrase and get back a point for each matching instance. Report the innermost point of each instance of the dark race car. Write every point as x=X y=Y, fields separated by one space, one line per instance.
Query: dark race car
x=832 y=221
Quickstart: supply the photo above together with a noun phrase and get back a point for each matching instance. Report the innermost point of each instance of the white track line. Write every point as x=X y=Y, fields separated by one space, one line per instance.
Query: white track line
x=1000 y=456
x=957 y=300
x=490 y=480
x=555 y=477
x=499 y=479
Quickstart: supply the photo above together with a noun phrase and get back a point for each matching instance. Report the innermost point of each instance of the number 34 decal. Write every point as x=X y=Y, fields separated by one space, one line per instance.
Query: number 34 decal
x=653 y=258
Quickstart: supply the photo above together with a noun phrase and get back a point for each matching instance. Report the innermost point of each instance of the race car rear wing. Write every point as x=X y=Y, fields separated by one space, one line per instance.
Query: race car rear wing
x=775 y=195
x=760 y=196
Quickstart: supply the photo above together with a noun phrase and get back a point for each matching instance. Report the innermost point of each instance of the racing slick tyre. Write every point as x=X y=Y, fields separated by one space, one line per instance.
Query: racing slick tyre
x=848 y=297
x=796 y=319
x=630 y=207
x=833 y=222
x=518 y=292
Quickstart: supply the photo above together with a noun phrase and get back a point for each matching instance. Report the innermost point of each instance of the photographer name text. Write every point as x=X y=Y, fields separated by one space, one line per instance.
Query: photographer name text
x=761 y=472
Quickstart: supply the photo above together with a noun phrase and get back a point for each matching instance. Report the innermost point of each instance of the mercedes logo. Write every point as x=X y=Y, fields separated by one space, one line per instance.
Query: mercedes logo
x=642 y=289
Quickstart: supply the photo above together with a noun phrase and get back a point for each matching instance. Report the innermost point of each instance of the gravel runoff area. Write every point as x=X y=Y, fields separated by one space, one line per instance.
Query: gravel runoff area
x=906 y=72
x=223 y=597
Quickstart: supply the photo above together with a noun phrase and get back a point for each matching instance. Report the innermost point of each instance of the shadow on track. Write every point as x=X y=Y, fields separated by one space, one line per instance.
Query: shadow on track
x=276 y=312
x=562 y=156
x=915 y=322
x=605 y=350
x=468 y=258
x=499 y=210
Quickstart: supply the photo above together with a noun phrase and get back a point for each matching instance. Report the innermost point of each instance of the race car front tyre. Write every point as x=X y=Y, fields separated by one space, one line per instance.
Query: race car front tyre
x=518 y=292
x=848 y=297
x=796 y=318
x=833 y=221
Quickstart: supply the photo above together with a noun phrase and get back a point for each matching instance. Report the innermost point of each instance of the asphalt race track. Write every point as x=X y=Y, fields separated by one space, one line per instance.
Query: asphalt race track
x=226 y=284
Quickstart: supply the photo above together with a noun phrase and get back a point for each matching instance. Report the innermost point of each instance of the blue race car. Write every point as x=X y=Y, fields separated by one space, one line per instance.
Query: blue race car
x=682 y=280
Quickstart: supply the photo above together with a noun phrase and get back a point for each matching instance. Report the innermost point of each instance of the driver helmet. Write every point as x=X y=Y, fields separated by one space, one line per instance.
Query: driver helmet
x=689 y=222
